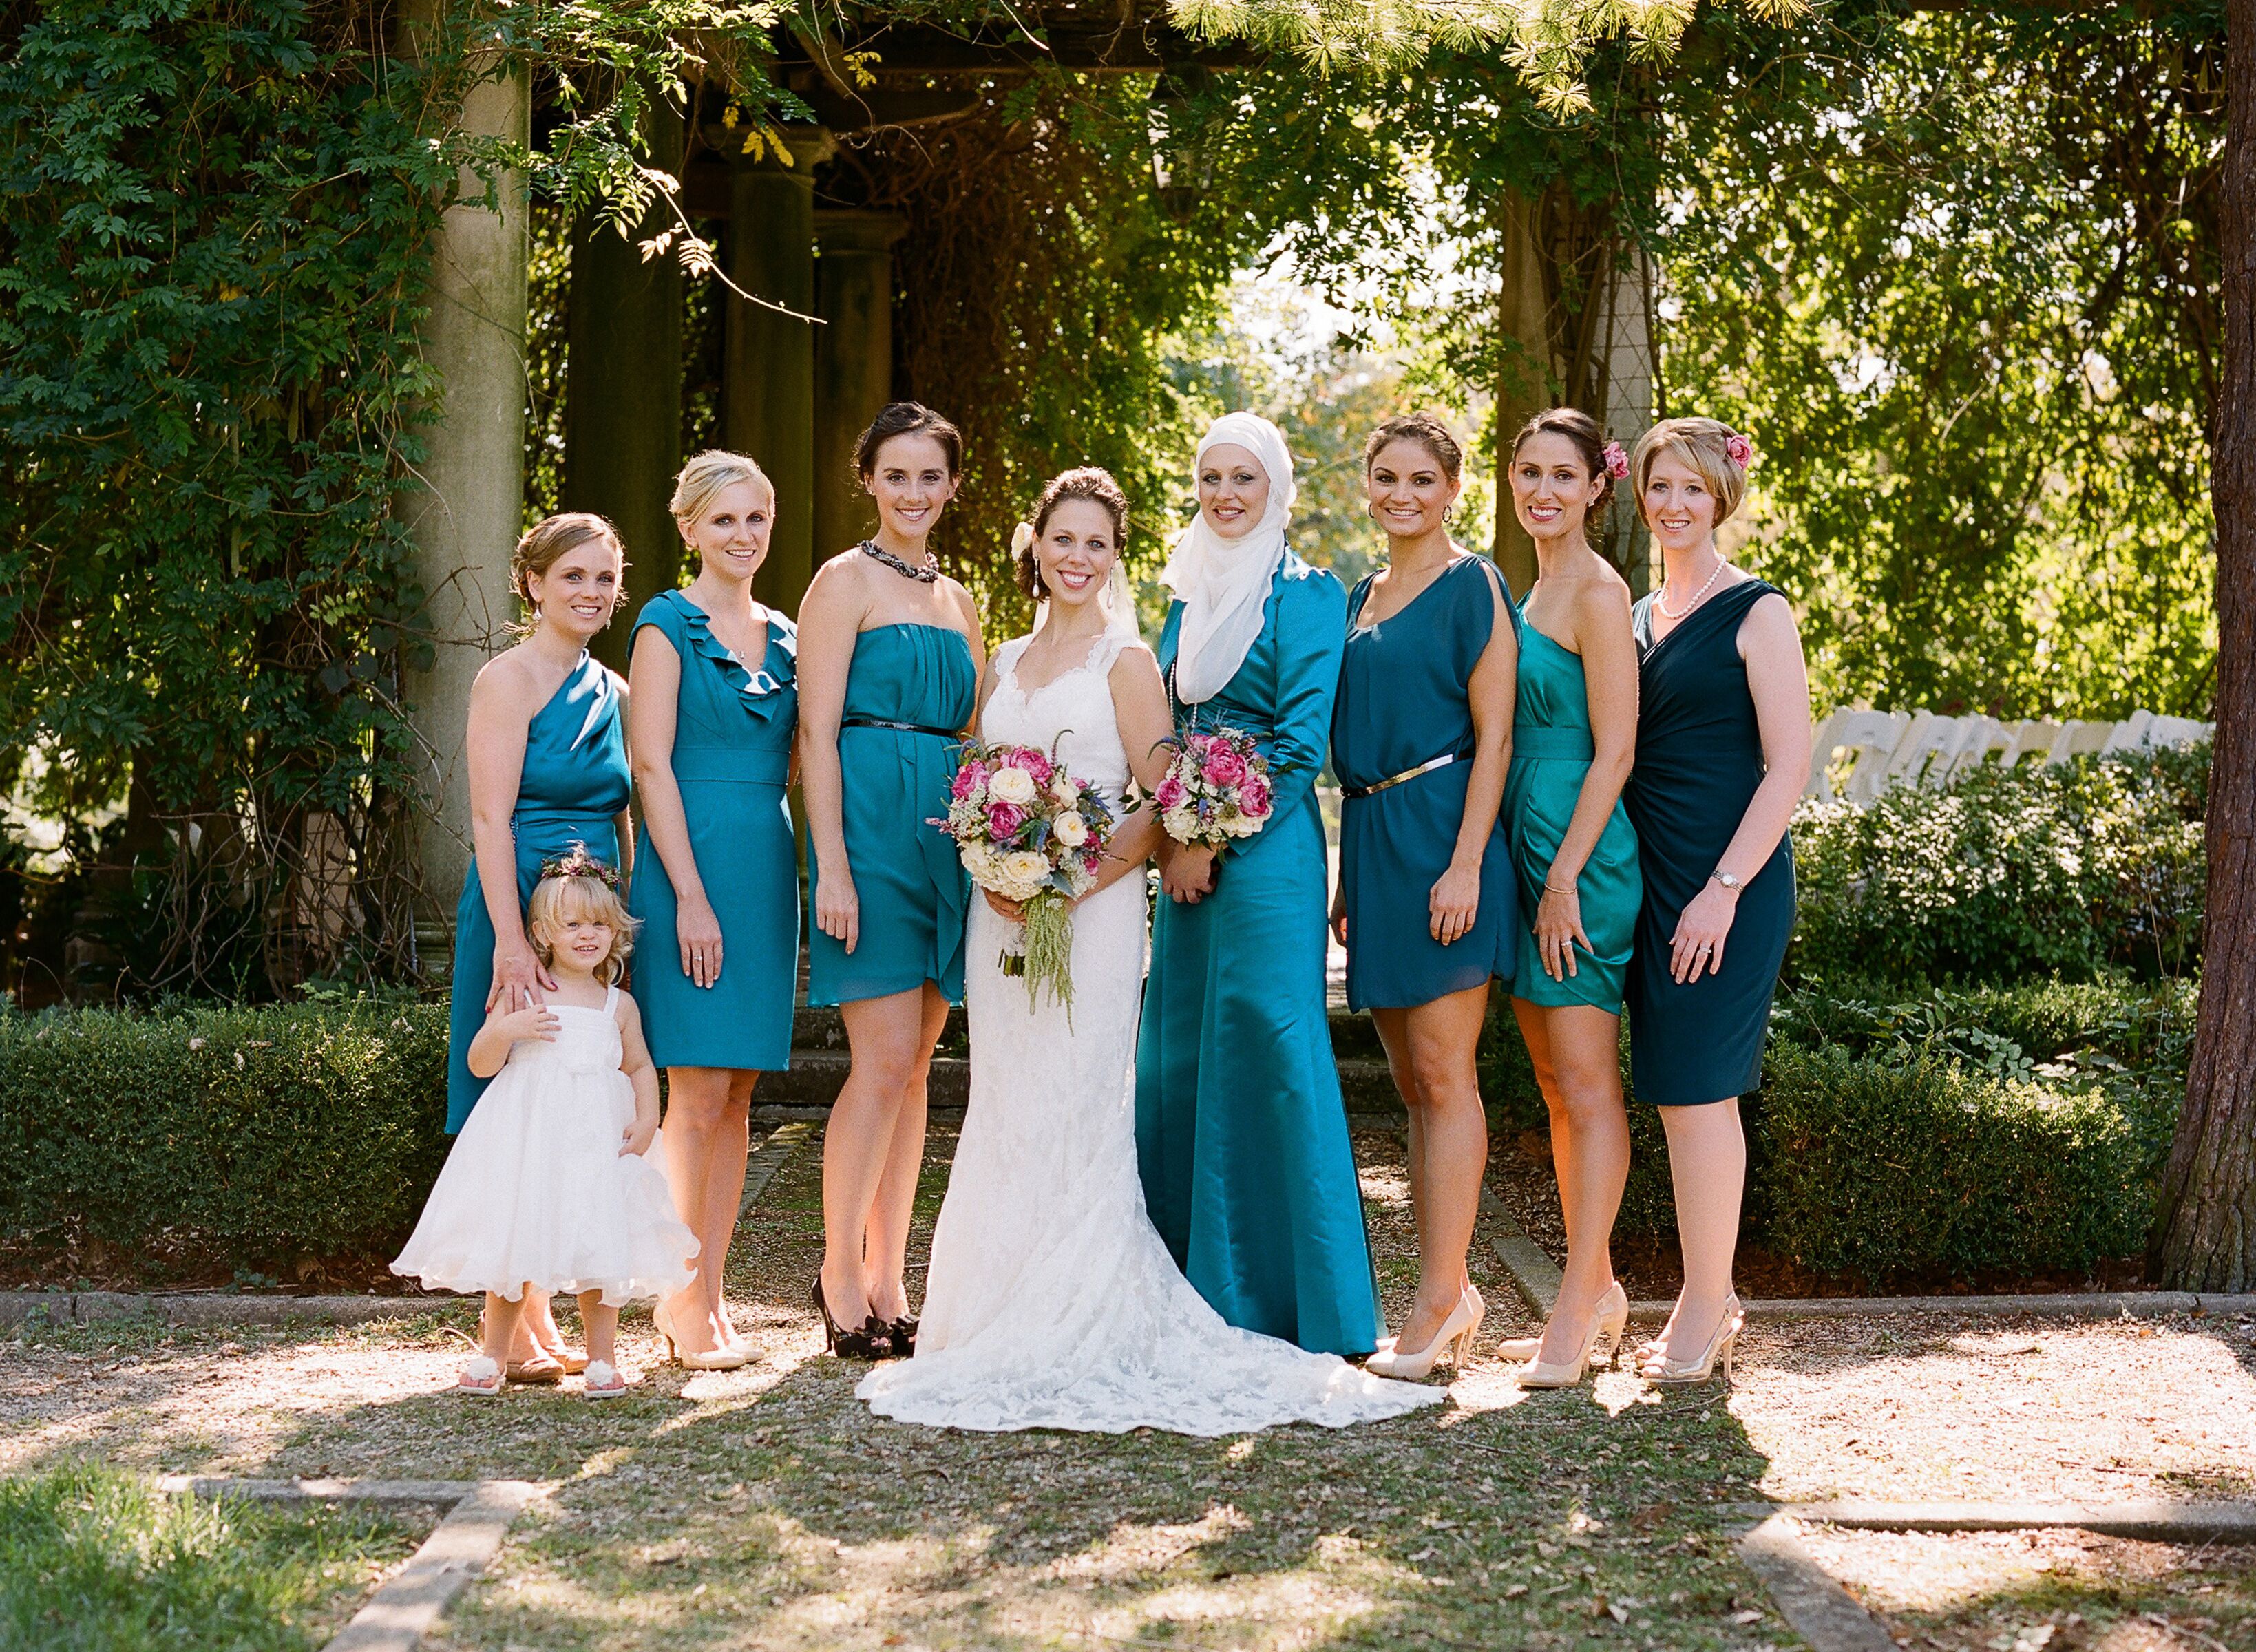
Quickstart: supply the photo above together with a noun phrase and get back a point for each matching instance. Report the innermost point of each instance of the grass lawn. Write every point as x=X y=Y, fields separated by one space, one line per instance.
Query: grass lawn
x=93 y=1560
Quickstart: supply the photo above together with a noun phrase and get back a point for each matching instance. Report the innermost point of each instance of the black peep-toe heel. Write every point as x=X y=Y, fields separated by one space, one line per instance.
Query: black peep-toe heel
x=850 y=1344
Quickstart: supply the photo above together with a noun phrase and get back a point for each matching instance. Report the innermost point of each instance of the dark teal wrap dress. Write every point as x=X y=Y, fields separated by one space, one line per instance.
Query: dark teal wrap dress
x=1699 y=760
x=733 y=729
x=913 y=890
x=1406 y=698
x=571 y=790
x=1240 y=1134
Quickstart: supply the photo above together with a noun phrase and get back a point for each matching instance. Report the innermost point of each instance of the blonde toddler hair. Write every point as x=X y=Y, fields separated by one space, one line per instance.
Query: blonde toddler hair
x=558 y=900
x=1705 y=444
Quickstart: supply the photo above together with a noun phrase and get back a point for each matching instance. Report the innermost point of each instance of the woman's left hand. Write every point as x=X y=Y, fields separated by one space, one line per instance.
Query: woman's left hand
x=1698 y=943
x=1454 y=903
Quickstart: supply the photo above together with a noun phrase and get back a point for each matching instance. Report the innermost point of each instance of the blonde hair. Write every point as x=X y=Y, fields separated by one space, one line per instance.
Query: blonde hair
x=558 y=901
x=547 y=541
x=1700 y=443
x=707 y=475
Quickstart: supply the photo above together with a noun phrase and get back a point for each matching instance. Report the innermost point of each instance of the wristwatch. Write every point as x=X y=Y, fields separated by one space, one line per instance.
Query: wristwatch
x=1733 y=885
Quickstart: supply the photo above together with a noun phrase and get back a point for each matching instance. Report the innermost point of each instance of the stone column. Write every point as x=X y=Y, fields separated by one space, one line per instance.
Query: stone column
x=467 y=515
x=1524 y=369
x=623 y=395
x=853 y=362
x=1629 y=357
x=770 y=403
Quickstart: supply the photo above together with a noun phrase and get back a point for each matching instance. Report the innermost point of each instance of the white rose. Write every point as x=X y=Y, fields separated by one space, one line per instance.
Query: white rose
x=1071 y=829
x=1065 y=790
x=1011 y=785
x=1025 y=871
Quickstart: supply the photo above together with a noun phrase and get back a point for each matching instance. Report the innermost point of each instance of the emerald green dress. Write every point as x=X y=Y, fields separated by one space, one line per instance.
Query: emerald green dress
x=1551 y=753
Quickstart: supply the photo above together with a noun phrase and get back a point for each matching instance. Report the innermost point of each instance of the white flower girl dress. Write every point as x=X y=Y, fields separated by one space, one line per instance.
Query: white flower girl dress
x=535 y=1189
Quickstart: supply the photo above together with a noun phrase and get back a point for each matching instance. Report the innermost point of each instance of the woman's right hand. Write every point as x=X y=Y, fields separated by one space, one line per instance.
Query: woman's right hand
x=1558 y=926
x=698 y=931
x=1188 y=875
x=1339 y=914
x=517 y=977
x=837 y=908
x=1015 y=910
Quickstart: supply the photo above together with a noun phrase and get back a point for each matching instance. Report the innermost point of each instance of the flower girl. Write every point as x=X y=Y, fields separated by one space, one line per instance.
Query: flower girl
x=547 y=1185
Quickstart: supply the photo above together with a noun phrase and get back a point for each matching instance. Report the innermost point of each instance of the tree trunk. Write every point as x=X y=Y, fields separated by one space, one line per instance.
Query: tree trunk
x=2205 y=1229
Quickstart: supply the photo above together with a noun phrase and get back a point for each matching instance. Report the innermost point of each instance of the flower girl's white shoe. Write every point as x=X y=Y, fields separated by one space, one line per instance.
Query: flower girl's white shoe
x=1613 y=1315
x=605 y=1381
x=1456 y=1330
x=1599 y=1345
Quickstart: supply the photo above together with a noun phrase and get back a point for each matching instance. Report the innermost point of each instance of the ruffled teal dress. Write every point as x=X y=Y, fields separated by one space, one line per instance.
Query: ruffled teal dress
x=909 y=690
x=732 y=734
x=1551 y=753
x=1241 y=1135
x=1406 y=698
x=571 y=790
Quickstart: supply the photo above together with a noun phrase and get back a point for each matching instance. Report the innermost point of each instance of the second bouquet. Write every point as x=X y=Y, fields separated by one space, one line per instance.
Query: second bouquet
x=1031 y=834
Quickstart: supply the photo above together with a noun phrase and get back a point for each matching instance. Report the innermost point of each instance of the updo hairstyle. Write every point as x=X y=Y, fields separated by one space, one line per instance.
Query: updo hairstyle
x=1425 y=429
x=1092 y=482
x=1581 y=429
x=1704 y=444
x=707 y=476
x=546 y=542
x=908 y=418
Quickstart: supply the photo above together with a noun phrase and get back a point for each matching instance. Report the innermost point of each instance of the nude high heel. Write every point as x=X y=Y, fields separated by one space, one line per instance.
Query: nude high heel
x=1599 y=1343
x=1457 y=1332
x=1613 y=1317
x=1664 y=1373
x=729 y=1358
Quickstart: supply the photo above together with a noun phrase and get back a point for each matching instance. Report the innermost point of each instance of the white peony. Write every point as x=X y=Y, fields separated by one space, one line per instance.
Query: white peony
x=1071 y=829
x=1024 y=872
x=1065 y=790
x=1012 y=785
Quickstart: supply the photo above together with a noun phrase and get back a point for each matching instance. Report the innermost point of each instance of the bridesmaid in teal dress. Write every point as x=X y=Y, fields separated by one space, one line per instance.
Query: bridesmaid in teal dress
x=1427 y=907
x=1240 y=1134
x=715 y=704
x=547 y=753
x=1571 y=746
x=1723 y=753
x=889 y=671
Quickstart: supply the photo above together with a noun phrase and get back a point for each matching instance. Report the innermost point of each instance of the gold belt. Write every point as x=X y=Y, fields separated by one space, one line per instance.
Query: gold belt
x=1425 y=767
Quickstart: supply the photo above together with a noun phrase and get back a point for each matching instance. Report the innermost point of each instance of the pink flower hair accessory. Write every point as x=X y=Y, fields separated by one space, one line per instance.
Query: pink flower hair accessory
x=1739 y=449
x=1616 y=462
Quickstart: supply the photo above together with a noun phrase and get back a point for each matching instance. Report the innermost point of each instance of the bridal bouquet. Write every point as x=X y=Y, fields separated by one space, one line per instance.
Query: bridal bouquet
x=1215 y=789
x=1032 y=834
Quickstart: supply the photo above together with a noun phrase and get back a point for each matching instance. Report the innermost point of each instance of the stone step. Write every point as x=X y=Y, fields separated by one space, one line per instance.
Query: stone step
x=815 y=1077
x=814 y=1028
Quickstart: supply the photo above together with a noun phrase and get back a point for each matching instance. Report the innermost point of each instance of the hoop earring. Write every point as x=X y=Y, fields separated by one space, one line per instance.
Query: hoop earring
x=1370 y=511
x=1449 y=513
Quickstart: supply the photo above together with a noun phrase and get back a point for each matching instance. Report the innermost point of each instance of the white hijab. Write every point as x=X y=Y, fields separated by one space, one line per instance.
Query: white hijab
x=1224 y=584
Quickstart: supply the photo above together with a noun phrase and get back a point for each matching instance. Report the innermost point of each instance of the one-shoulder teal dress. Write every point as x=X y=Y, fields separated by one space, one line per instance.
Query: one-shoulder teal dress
x=1406 y=700
x=908 y=690
x=574 y=785
x=1551 y=753
x=733 y=726
x=1699 y=760
x=1241 y=1135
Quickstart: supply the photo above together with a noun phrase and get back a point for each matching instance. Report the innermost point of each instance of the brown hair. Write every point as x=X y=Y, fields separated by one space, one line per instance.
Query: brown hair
x=907 y=419
x=547 y=541
x=563 y=900
x=1581 y=429
x=1092 y=482
x=1704 y=444
x=1425 y=429
x=708 y=474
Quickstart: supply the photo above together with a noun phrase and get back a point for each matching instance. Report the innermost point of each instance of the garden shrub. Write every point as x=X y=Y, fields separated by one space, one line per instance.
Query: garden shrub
x=312 y=1127
x=2042 y=870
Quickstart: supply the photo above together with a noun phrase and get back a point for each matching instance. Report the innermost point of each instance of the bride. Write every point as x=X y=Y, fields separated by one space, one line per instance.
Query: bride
x=1051 y=1301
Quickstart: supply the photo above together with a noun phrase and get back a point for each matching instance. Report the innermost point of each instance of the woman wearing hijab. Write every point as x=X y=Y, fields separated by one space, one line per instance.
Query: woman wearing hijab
x=1241 y=1135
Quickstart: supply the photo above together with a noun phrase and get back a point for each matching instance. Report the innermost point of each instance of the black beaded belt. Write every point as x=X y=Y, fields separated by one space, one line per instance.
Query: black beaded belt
x=899 y=728
x=1425 y=767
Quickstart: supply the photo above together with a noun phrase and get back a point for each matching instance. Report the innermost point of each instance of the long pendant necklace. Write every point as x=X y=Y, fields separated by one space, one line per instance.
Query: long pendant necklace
x=1661 y=601
x=926 y=575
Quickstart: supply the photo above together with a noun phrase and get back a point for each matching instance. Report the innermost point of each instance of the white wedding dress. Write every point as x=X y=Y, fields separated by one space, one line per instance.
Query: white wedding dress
x=1051 y=1301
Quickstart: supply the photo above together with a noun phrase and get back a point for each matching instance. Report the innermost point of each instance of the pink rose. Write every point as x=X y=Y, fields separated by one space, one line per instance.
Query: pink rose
x=1036 y=765
x=1740 y=450
x=967 y=782
x=1170 y=793
x=1254 y=800
x=1004 y=820
x=1090 y=862
x=1223 y=767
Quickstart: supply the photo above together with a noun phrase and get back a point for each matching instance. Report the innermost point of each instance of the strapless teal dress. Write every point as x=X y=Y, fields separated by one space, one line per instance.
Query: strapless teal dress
x=1241 y=1135
x=1405 y=698
x=732 y=732
x=574 y=785
x=913 y=890
x=1551 y=753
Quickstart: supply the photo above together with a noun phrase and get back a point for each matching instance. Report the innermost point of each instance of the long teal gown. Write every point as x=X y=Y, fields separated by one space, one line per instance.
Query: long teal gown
x=1699 y=760
x=574 y=785
x=912 y=888
x=1405 y=698
x=732 y=732
x=1551 y=754
x=1241 y=1135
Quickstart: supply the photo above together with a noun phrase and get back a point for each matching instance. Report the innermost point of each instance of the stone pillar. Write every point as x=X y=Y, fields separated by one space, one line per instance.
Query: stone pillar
x=623 y=395
x=853 y=362
x=467 y=515
x=1524 y=369
x=770 y=401
x=1629 y=357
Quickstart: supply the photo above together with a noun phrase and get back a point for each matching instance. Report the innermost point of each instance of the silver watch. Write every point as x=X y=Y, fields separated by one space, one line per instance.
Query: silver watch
x=1734 y=884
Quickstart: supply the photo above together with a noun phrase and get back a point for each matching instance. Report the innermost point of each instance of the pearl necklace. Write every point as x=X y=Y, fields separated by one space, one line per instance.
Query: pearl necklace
x=1662 y=600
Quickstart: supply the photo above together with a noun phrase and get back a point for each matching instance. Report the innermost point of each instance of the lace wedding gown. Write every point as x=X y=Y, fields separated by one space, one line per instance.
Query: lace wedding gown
x=1051 y=1301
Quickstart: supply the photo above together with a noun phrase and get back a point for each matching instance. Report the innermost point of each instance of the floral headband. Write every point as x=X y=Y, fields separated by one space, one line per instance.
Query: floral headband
x=579 y=863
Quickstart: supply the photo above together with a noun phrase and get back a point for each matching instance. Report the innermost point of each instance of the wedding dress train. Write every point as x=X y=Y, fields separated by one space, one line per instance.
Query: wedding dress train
x=1051 y=1301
